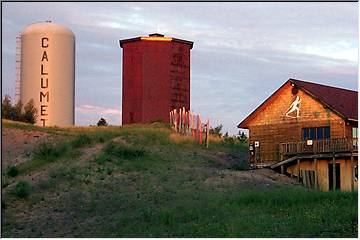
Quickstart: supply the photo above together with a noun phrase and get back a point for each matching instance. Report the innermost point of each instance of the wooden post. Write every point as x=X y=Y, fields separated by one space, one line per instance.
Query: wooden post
x=188 y=121
x=193 y=125
x=180 y=123
x=352 y=171
x=184 y=120
x=175 y=120
x=170 y=119
x=298 y=167
x=334 y=172
x=200 y=131
x=197 y=127
x=282 y=169
x=207 y=132
x=315 y=168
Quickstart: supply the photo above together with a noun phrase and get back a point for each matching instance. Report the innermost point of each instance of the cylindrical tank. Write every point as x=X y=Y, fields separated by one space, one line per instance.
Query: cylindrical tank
x=48 y=72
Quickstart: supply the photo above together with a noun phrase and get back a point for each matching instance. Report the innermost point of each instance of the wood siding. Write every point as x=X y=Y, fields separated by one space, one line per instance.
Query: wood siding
x=321 y=169
x=271 y=127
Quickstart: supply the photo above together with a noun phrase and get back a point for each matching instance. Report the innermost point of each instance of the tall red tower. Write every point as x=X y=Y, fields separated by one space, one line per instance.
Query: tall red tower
x=156 y=77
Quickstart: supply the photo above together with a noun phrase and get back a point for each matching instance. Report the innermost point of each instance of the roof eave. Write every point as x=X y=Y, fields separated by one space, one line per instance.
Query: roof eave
x=243 y=124
x=352 y=119
x=183 y=41
x=319 y=100
x=172 y=40
x=128 y=40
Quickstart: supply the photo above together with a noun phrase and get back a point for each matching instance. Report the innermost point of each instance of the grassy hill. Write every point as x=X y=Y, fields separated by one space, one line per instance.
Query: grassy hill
x=146 y=181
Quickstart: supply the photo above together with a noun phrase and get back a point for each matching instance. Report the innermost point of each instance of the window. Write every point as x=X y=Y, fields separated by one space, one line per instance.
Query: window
x=319 y=133
x=305 y=133
x=312 y=133
x=326 y=132
x=315 y=133
x=355 y=136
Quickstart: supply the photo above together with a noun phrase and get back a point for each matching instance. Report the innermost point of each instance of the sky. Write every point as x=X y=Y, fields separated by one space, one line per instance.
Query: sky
x=242 y=52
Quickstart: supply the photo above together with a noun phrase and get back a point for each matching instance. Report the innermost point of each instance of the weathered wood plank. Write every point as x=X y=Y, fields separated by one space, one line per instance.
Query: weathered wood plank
x=334 y=172
x=352 y=172
x=318 y=146
x=316 y=173
x=298 y=167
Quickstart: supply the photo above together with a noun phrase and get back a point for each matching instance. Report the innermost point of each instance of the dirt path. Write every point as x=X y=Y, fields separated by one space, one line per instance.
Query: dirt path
x=251 y=178
x=18 y=144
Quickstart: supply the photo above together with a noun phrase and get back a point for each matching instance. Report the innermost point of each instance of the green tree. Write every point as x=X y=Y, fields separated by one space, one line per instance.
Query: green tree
x=16 y=112
x=6 y=107
x=30 y=112
x=102 y=122
x=216 y=130
x=242 y=137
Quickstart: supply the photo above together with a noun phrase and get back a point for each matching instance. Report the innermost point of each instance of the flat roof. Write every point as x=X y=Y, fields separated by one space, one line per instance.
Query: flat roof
x=156 y=37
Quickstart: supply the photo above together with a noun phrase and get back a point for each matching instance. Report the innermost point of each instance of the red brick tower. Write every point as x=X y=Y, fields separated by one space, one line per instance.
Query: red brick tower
x=156 y=77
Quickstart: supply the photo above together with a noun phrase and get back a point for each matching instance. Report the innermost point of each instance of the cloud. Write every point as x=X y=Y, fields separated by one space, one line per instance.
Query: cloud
x=90 y=114
x=242 y=52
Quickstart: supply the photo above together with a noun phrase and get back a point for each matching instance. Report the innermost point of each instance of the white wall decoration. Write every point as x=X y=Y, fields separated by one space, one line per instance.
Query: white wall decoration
x=295 y=106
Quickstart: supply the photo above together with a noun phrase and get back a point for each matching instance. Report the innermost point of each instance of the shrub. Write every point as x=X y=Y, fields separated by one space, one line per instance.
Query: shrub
x=12 y=171
x=49 y=151
x=102 y=158
x=64 y=173
x=102 y=122
x=216 y=130
x=45 y=153
x=22 y=189
x=239 y=165
x=127 y=152
x=229 y=140
x=30 y=112
x=14 y=112
x=81 y=140
x=242 y=137
x=6 y=107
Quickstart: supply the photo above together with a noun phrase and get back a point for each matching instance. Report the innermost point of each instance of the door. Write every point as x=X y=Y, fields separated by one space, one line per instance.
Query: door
x=337 y=173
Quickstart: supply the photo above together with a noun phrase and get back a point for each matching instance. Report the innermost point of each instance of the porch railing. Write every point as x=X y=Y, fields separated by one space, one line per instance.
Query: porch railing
x=319 y=146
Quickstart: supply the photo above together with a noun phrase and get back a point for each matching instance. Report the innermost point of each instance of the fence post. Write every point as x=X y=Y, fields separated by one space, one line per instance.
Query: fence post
x=175 y=120
x=193 y=125
x=184 y=122
x=170 y=119
x=200 y=131
x=207 y=132
x=189 y=119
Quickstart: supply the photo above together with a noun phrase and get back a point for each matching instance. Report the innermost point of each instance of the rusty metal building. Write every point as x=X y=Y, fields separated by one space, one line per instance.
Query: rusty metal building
x=155 y=77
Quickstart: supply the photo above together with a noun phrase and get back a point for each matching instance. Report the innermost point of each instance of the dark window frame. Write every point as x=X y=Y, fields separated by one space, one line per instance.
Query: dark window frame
x=315 y=133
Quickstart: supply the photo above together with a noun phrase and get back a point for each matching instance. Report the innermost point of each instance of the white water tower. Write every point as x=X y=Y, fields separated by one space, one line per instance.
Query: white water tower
x=47 y=72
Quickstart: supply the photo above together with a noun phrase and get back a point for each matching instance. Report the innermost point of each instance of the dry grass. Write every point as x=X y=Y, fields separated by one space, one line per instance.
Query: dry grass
x=145 y=181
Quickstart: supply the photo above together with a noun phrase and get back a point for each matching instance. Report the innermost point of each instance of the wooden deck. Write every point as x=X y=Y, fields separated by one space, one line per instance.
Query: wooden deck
x=336 y=145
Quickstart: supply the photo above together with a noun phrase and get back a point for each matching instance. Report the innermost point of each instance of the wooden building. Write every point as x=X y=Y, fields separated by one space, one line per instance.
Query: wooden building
x=309 y=131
